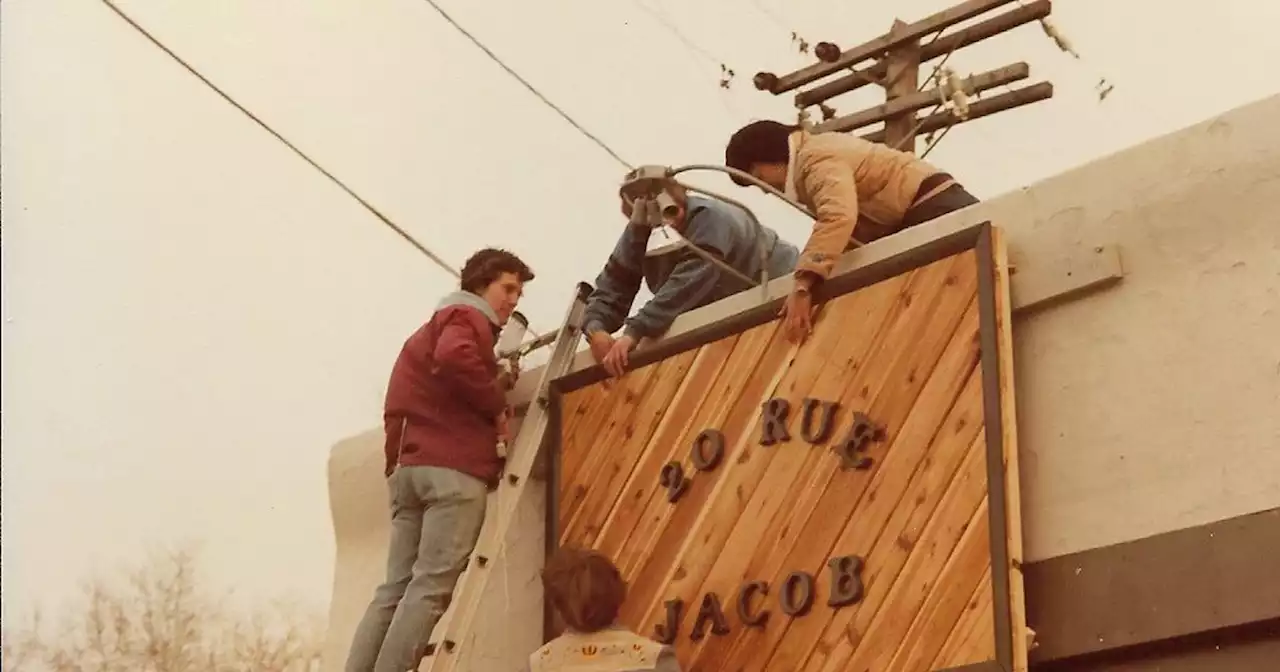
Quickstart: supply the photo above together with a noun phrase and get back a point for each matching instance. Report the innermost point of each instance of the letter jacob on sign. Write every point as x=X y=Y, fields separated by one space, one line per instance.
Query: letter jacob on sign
x=795 y=596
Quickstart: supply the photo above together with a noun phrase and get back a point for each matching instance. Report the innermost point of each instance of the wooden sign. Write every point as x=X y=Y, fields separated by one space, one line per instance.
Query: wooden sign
x=848 y=504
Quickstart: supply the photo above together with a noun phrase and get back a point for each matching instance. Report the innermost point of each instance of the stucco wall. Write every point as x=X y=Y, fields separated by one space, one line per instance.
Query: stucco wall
x=1147 y=407
x=359 y=502
x=1154 y=405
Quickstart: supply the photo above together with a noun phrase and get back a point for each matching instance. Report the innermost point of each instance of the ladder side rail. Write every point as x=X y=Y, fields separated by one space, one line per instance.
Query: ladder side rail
x=516 y=477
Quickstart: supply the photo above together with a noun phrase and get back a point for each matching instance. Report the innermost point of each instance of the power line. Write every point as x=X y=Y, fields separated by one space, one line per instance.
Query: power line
x=771 y=16
x=527 y=85
x=368 y=206
x=689 y=44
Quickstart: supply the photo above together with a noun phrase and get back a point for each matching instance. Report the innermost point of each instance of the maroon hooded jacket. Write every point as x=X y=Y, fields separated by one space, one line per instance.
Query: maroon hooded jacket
x=444 y=399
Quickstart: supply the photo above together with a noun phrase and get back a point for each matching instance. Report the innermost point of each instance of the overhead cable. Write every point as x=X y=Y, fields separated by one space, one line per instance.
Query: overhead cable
x=367 y=205
x=532 y=89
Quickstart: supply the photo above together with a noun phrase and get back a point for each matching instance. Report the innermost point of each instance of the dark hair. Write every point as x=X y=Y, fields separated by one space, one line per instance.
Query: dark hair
x=485 y=266
x=585 y=587
x=758 y=142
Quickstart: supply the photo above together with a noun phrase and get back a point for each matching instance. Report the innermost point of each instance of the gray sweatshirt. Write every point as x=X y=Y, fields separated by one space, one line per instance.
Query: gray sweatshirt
x=682 y=281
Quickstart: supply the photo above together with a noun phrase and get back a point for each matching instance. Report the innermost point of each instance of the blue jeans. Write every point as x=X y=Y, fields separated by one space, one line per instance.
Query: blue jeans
x=436 y=514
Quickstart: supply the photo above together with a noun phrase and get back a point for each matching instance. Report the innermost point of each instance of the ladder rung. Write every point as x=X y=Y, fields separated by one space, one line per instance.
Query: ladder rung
x=525 y=446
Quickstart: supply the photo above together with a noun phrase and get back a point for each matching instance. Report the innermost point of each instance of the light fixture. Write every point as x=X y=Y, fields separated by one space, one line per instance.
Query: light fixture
x=664 y=240
x=652 y=205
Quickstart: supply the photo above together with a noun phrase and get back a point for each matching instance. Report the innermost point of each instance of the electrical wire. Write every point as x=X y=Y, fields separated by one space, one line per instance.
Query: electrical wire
x=689 y=44
x=937 y=68
x=911 y=135
x=773 y=18
x=439 y=261
x=796 y=38
x=547 y=337
x=532 y=89
x=435 y=258
x=901 y=73
x=934 y=143
x=225 y=96
x=695 y=50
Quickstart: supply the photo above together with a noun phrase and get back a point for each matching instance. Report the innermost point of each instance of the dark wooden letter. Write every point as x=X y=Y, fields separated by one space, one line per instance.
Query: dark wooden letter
x=666 y=634
x=862 y=433
x=709 y=612
x=796 y=595
x=708 y=448
x=846 y=580
x=822 y=432
x=773 y=422
x=756 y=620
x=672 y=478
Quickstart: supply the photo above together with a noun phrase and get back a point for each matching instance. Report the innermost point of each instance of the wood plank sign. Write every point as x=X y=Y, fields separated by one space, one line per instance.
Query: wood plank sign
x=850 y=503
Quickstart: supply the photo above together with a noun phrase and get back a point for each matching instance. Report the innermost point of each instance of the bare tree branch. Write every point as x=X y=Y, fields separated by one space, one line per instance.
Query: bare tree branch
x=159 y=620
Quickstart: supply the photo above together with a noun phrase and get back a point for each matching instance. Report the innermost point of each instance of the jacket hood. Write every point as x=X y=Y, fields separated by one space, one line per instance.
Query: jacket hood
x=465 y=298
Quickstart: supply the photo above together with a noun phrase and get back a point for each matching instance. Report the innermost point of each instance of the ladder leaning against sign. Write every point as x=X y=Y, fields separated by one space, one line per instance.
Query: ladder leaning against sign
x=453 y=636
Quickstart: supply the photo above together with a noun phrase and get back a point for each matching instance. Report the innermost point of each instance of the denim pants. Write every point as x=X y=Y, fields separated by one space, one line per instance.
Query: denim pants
x=436 y=514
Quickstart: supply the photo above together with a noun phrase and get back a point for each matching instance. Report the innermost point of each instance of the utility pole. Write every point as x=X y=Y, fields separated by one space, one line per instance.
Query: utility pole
x=895 y=61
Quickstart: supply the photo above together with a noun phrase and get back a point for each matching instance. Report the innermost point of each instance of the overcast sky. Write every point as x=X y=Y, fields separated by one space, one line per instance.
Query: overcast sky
x=193 y=315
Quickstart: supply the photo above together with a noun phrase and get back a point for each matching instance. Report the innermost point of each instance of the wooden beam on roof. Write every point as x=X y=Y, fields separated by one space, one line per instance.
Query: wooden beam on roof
x=915 y=101
x=944 y=45
x=876 y=47
x=980 y=109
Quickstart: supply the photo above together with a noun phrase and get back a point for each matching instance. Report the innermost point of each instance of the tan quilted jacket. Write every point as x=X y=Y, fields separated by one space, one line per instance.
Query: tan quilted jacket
x=849 y=182
x=611 y=650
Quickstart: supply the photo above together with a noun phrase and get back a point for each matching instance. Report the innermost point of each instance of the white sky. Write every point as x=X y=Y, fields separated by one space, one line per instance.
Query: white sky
x=193 y=315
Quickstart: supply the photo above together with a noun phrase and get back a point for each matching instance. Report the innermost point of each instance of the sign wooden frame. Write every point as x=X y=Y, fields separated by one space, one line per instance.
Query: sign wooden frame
x=1009 y=614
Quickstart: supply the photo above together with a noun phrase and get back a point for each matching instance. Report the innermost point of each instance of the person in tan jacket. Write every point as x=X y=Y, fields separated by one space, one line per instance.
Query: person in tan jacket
x=587 y=590
x=858 y=191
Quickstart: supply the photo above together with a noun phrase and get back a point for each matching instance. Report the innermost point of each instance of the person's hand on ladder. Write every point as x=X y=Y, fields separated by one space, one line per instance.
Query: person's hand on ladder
x=504 y=425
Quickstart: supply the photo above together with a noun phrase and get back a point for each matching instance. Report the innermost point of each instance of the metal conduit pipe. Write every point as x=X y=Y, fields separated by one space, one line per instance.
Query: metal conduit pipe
x=712 y=259
x=759 y=228
x=671 y=173
x=646 y=188
x=734 y=172
x=854 y=242
x=762 y=253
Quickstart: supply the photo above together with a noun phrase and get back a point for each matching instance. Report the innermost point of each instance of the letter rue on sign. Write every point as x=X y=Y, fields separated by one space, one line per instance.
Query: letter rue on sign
x=796 y=595
x=817 y=423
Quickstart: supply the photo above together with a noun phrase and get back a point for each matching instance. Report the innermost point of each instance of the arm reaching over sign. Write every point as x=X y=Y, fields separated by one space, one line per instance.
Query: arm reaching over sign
x=859 y=191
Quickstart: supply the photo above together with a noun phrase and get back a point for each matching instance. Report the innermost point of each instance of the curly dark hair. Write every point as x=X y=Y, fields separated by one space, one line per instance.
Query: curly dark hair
x=585 y=587
x=758 y=142
x=485 y=266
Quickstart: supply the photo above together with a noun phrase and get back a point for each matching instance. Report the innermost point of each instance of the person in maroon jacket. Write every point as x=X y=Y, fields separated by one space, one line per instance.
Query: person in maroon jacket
x=446 y=407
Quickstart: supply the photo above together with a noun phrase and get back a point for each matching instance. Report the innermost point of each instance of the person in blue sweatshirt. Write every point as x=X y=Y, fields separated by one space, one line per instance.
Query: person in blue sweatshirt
x=680 y=281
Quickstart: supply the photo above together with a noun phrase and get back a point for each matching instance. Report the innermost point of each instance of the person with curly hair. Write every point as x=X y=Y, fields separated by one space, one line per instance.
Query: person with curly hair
x=445 y=411
x=587 y=591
